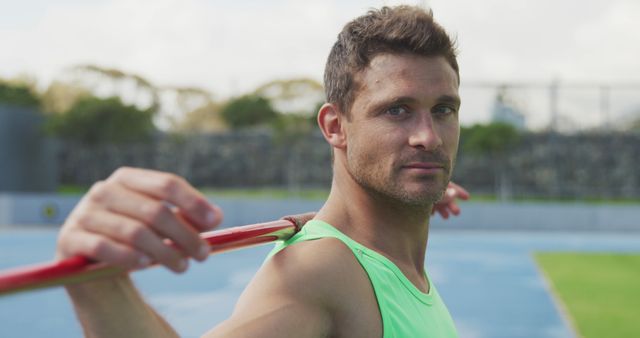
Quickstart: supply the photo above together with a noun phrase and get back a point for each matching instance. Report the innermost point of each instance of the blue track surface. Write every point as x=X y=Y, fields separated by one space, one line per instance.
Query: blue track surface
x=489 y=280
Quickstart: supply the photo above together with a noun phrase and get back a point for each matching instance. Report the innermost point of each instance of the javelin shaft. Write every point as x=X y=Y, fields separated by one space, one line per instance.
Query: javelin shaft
x=79 y=269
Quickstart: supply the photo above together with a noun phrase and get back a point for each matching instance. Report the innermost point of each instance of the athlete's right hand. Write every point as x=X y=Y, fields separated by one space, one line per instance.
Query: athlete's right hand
x=126 y=220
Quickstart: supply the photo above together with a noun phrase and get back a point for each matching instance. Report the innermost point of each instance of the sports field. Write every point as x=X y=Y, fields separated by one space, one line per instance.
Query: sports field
x=488 y=279
x=601 y=291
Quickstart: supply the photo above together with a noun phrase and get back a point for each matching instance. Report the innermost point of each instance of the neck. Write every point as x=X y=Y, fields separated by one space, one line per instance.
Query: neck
x=390 y=227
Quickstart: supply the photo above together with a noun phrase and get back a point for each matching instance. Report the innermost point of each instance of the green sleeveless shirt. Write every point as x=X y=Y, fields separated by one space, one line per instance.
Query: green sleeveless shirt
x=406 y=311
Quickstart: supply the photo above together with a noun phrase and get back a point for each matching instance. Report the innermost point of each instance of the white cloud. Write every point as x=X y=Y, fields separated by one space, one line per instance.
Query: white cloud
x=231 y=47
x=609 y=47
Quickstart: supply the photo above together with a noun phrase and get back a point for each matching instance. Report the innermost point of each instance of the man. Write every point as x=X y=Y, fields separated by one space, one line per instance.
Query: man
x=356 y=269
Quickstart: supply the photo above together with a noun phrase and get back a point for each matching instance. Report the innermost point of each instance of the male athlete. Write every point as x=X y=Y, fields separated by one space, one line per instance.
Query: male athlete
x=357 y=268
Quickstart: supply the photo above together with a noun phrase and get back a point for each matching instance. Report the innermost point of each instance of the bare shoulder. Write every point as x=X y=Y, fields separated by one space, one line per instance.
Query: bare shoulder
x=316 y=261
x=303 y=289
x=319 y=272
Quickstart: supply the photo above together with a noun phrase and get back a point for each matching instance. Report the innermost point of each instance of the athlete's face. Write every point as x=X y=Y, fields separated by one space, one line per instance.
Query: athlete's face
x=402 y=134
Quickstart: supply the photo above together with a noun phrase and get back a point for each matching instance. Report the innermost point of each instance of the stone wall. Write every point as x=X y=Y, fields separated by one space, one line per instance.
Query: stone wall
x=551 y=165
x=542 y=165
x=241 y=159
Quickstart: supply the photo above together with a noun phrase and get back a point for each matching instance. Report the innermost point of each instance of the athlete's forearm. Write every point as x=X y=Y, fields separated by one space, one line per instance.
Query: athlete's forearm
x=114 y=308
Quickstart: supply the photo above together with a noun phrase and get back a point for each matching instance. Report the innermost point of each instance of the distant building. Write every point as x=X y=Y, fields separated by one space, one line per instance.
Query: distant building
x=27 y=157
x=506 y=111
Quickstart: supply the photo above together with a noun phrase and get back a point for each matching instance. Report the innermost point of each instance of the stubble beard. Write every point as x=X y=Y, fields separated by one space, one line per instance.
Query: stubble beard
x=385 y=185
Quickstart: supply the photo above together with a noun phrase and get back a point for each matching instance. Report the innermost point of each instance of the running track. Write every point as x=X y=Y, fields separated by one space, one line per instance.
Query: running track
x=489 y=280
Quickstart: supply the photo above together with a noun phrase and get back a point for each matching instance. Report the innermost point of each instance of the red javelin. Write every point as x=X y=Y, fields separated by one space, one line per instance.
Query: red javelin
x=79 y=269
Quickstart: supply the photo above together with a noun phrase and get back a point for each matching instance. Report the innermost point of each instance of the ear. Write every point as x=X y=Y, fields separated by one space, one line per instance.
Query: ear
x=330 y=122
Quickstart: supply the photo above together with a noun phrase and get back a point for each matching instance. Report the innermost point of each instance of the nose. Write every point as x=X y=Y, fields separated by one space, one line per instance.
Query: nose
x=423 y=134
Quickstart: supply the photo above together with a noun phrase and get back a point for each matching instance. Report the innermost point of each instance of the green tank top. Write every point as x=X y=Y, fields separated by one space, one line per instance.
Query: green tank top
x=406 y=311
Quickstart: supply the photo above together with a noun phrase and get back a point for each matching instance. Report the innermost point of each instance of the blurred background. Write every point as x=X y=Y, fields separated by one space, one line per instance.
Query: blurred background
x=551 y=104
x=225 y=94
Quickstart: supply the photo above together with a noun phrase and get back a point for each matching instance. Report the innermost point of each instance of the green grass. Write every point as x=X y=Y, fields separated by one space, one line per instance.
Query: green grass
x=258 y=192
x=254 y=193
x=556 y=200
x=320 y=194
x=68 y=189
x=268 y=193
x=601 y=291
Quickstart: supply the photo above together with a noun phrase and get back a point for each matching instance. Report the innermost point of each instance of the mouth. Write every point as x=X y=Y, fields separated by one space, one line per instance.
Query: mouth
x=425 y=167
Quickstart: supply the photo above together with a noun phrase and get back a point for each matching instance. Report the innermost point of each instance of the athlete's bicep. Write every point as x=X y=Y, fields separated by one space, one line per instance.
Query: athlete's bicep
x=281 y=319
x=286 y=298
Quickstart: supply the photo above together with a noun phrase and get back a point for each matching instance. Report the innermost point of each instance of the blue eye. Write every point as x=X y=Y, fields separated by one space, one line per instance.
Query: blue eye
x=444 y=110
x=397 y=111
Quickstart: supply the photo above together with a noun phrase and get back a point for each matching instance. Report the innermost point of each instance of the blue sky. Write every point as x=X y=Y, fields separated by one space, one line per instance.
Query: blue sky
x=232 y=46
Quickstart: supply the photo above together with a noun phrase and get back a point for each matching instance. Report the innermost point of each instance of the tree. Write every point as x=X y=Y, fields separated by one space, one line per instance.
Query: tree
x=297 y=96
x=246 y=111
x=18 y=94
x=493 y=140
x=203 y=119
x=634 y=122
x=59 y=97
x=93 y=120
x=102 y=81
x=192 y=109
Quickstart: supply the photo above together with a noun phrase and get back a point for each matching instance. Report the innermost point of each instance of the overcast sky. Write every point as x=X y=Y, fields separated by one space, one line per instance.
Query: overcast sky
x=230 y=47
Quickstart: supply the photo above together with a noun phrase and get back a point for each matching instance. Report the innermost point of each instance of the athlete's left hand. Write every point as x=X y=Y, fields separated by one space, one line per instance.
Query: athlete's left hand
x=447 y=205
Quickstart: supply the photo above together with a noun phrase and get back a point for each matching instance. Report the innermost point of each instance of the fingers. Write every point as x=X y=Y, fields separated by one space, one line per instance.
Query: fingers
x=458 y=191
x=105 y=250
x=453 y=208
x=443 y=212
x=173 y=189
x=137 y=217
x=447 y=205
x=144 y=213
x=137 y=235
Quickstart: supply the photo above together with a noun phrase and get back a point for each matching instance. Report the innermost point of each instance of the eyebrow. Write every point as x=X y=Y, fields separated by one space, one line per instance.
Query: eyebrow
x=451 y=99
x=384 y=103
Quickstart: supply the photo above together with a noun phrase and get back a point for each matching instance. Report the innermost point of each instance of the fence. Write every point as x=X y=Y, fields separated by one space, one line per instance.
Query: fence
x=542 y=165
x=555 y=106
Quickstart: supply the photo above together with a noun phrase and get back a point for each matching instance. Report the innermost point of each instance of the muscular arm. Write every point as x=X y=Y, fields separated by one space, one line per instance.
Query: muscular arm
x=282 y=300
x=310 y=289
x=124 y=221
x=114 y=308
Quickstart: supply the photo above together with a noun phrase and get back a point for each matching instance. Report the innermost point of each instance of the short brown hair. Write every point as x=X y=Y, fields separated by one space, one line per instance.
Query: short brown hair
x=401 y=29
